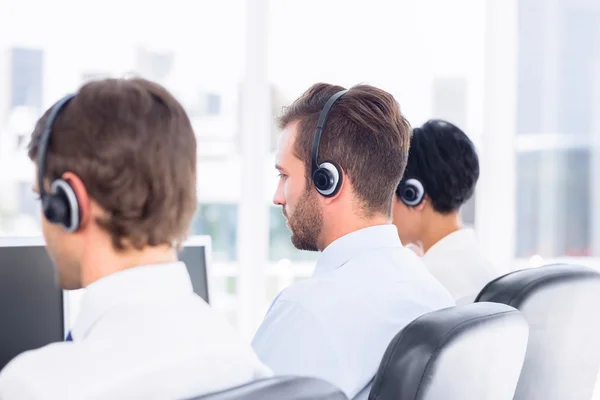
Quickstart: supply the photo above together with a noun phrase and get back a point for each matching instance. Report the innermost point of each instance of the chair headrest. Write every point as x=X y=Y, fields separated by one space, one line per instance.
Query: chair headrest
x=513 y=288
x=561 y=304
x=449 y=354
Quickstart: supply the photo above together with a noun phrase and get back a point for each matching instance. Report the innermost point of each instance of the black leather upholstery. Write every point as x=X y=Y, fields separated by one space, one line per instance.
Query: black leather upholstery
x=280 y=388
x=470 y=352
x=561 y=302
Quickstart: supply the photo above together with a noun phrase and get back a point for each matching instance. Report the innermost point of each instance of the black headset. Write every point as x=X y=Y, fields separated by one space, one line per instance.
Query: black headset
x=60 y=206
x=327 y=176
x=411 y=192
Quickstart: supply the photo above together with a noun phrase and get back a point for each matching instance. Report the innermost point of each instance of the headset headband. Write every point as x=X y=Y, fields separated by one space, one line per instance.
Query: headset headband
x=44 y=140
x=320 y=126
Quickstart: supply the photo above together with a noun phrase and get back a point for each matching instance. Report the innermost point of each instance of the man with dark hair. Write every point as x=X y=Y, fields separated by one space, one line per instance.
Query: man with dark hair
x=337 y=163
x=116 y=175
x=440 y=176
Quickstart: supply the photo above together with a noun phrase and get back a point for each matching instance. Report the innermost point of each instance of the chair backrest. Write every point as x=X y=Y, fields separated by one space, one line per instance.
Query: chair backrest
x=561 y=303
x=280 y=388
x=468 y=352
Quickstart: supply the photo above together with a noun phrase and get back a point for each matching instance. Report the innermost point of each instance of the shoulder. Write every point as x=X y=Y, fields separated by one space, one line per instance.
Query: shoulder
x=187 y=327
x=104 y=364
x=388 y=266
x=36 y=374
x=308 y=296
x=361 y=275
x=397 y=276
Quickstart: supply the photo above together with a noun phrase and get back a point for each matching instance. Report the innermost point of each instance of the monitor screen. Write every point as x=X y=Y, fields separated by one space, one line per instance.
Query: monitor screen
x=31 y=303
x=195 y=254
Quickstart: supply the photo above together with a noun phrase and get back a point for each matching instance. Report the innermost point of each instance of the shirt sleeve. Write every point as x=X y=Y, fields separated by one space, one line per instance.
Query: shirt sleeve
x=291 y=341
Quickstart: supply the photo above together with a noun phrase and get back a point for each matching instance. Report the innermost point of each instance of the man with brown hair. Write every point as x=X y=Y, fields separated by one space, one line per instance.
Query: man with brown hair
x=338 y=170
x=116 y=173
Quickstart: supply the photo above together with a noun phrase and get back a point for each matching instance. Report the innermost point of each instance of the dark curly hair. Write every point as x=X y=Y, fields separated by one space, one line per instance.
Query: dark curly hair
x=444 y=159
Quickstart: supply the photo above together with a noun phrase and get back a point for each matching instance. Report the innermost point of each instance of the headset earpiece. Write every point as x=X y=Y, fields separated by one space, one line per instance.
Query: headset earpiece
x=61 y=206
x=411 y=192
x=328 y=179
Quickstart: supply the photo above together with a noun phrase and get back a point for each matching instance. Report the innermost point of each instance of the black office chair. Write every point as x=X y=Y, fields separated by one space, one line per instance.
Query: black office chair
x=280 y=388
x=562 y=305
x=470 y=352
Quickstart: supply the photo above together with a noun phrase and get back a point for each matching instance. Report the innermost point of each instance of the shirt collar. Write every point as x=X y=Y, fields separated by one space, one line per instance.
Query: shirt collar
x=139 y=284
x=347 y=247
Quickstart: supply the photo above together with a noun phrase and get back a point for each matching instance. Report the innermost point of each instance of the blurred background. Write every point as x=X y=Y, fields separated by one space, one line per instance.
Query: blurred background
x=522 y=78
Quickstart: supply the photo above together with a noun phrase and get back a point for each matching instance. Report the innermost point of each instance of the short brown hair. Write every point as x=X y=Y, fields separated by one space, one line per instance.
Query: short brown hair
x=132 y=144
x=365 y=133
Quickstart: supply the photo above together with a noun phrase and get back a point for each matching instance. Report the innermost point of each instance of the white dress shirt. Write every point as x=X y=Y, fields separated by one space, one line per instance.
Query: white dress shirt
x=336 y=325
x=141 y=334
x=459 y=264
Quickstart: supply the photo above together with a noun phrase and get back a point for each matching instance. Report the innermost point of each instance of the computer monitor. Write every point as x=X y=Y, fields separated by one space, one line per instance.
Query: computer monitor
x=196 y=254
x=35 y=312
x=32 y=306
